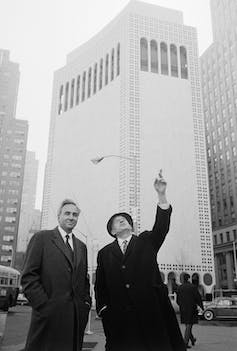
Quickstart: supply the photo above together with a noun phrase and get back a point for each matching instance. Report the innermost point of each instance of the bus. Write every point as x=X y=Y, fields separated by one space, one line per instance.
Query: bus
x=9 y=287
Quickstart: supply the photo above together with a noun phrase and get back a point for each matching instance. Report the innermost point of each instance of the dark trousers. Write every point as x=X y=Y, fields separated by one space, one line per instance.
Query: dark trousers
x=188 y=335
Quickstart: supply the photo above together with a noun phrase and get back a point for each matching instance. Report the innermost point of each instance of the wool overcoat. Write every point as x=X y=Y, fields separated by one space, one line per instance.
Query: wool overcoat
x=139 y=315
x=58 y=291
x=188 y=298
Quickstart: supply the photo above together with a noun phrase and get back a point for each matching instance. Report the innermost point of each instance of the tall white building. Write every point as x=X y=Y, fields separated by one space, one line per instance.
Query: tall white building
x=27 y=212
x=134 y=91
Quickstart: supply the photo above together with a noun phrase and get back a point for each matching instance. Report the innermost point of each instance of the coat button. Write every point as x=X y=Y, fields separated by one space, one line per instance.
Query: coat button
x=123 y=267
x=127 y=286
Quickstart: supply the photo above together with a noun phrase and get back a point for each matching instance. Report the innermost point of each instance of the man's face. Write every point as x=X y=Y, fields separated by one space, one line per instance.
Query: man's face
x=68 y=217
x=120 y=224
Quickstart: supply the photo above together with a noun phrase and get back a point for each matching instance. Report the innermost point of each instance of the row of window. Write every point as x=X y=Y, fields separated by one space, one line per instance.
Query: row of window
x=11 y=174
x=226 y=237
x=9 y=209
x=6 y=259
x=10 y=191
x=9 y=238
x=90 y=81
x=169 y=60
x=7 y=248
x=9 y=219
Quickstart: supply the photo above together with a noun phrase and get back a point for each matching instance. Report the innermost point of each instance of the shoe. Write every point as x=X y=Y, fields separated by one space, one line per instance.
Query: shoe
x=193 y=341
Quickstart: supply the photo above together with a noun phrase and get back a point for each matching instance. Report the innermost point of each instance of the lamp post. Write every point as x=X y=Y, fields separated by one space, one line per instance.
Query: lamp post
x=89 y=331
x=98 y=159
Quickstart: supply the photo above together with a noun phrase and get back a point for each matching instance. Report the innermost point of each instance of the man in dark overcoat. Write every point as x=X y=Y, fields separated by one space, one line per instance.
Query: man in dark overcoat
x=188 y=298
x=130 y=296
x=55 y=281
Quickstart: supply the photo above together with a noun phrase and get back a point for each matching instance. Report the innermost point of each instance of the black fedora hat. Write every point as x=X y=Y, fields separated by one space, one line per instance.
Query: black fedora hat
x=123 y=214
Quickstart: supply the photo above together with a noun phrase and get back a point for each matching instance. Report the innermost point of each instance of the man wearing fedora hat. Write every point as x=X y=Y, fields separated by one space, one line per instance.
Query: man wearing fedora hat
x=130 y=296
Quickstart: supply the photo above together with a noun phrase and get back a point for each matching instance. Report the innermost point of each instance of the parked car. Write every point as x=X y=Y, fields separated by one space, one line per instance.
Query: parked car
x=220 y=308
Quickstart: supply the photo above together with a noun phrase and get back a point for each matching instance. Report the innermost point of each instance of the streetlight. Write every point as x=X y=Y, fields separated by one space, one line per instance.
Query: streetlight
x=98 y=159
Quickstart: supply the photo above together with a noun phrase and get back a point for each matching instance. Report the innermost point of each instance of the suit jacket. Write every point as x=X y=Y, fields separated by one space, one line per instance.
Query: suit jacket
x=188 y=298
x=57 y=290
x=131 y=287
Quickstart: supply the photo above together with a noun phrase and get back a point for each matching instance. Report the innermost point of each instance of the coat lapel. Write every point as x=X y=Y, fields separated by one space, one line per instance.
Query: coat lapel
x=58 y=241
x=77 y=251
x=116 y=250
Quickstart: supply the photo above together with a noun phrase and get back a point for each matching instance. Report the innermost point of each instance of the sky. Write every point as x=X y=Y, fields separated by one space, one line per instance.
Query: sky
x=40 y=33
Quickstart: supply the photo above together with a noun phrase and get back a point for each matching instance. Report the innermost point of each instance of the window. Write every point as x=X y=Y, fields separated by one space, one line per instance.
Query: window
x=228 y=236
x=154 y=56
x=8 y=238
x=101 y=74
x=164 y=58
x=106 y=69
x=183 y=62
x=66 y=97
x=144 y=54
x=174 y=60
x=118 y=59
x=83 y=86
x=78 y=90
x=10 y=219
x=112 y=65
x=72 y=93
x=95 y=79
x=221 y=238
x=6 y=248
x=60 y=103
x=89 y=83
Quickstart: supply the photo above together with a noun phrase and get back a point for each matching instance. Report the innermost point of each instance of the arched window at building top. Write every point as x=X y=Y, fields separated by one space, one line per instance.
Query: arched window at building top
x=154 y=56
x=183 y=62
x=101 y=74
x=143 y=54
x=112 y=65
x=95 y=79
x=164 y=58
x=78 y=90
x=60 y=100
x=118 y=59
x=106 y=69
x=72 y=93
x=173 y=60
x=89 y=83
x=66 y=96
x=83 y=86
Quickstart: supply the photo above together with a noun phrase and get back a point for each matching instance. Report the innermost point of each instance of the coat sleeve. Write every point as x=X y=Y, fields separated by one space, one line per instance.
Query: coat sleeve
x=161 y=227
x=31 y=275
x=198 y=298
x=101 y=291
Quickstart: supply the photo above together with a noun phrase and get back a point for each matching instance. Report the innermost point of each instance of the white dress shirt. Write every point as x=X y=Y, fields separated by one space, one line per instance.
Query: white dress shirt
x=63 y=234
x=120 y=241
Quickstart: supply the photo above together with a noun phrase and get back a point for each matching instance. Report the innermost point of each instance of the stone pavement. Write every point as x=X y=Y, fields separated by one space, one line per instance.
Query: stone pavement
x=214 y=336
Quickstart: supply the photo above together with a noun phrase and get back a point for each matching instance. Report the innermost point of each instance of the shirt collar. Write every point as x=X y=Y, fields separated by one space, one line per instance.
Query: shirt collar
x=120 y=241
x=63 y=233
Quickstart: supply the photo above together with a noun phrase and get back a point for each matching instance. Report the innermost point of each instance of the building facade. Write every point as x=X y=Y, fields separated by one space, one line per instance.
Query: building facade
x=134 y=92
x=13 y=140
x=28 y=200
x=9 y=83
x=219 y=85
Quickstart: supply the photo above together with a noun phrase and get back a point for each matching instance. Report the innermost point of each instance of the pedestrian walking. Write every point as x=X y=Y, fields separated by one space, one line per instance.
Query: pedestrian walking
x=130 y=296
x=55 y=281
x=188 y=298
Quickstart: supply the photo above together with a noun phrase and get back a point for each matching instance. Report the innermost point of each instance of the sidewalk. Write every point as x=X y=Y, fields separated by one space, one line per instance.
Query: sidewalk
x=215 y=336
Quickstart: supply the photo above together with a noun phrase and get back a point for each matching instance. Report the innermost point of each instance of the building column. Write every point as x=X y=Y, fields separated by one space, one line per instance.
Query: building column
x=217 y=274
x=229 y=271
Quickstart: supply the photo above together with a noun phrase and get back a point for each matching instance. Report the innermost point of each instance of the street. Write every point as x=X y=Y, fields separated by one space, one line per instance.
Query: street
x=211 y=336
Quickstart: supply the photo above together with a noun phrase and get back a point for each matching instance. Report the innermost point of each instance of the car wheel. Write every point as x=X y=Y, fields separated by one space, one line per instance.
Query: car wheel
x=208 y=315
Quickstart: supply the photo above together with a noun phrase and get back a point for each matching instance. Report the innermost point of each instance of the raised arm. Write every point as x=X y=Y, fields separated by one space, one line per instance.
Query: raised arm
x=31 y=280
x=163 y=213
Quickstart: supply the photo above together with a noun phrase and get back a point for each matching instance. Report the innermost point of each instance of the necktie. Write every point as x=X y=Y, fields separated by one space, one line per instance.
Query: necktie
x=124 y=246
x=70 y=250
